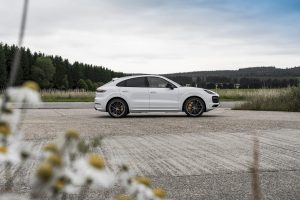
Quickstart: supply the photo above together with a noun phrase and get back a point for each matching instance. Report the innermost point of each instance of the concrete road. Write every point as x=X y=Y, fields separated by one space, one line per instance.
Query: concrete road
x=192 y=158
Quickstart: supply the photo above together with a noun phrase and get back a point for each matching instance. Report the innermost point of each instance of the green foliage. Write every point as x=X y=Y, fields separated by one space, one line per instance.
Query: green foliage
x=82 y=84
x=3 y=68
x=65 y=82
x=38 y=75
x=43 y=71
x=90 y=84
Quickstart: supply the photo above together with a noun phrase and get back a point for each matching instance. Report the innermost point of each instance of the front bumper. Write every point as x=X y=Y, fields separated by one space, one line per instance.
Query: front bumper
x=214 y=102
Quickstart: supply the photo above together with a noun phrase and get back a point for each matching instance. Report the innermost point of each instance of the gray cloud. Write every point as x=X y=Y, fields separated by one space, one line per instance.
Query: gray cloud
x=157 y=36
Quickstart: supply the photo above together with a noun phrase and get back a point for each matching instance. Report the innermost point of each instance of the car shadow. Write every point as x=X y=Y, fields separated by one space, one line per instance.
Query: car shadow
x=161 y=116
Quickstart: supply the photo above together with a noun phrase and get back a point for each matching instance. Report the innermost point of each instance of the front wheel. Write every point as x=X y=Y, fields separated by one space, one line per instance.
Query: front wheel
x=117 y=108
x=194 y=107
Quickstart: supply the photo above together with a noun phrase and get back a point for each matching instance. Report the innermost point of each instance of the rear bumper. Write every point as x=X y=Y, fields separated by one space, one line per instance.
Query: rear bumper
x=100 y=104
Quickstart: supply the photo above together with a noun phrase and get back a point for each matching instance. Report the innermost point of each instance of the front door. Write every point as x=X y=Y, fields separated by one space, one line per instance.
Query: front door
x=162 y=97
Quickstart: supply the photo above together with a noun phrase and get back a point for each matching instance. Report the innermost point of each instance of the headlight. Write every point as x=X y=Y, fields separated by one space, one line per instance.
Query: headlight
x=209 y=92
x=100 y=90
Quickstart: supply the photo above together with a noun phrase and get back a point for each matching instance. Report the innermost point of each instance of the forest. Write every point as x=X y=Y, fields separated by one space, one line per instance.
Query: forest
x=52 y=72
x=55 y=72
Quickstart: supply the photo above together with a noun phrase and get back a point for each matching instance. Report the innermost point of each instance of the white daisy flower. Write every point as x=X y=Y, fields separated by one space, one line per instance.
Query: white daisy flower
x=24 y=95
x=93 y=168
x=10 y=154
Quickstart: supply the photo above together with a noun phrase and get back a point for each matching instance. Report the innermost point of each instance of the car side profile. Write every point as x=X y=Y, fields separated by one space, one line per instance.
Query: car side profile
x=152 y=93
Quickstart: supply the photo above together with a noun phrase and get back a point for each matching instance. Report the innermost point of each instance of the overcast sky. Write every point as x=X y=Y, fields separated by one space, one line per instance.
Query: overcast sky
x=160 y=36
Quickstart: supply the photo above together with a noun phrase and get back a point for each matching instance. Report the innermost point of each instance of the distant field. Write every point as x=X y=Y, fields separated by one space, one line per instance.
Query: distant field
x=67 y=96
x=287 y=99
x=246 y=94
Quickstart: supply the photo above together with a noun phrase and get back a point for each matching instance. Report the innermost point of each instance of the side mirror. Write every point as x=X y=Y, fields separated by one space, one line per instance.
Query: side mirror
x=170 y=86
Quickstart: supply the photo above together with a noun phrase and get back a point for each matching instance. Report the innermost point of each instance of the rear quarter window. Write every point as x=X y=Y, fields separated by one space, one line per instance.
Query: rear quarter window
x=133 y=82
x=122 y=84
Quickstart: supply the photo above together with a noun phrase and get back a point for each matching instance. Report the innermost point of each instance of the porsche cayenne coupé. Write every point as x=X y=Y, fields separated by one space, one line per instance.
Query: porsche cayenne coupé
x=152 y=93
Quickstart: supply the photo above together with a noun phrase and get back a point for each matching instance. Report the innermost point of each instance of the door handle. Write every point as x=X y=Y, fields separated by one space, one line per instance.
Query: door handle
x=153 y=92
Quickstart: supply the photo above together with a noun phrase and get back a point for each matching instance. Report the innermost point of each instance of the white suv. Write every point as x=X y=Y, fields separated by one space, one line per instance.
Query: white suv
x=151 y=93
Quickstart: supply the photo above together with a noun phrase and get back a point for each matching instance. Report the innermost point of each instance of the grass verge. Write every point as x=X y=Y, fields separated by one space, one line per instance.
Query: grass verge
x=246 y=94
x=287 y=100
x=67 y=96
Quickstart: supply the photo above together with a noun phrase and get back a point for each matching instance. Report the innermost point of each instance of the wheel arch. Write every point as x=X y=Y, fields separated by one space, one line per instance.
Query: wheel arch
x=191 y=97
x=106 y=108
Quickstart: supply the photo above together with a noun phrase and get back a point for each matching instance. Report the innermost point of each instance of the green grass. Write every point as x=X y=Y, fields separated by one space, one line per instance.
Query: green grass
x=287 y=99
x=246 y=94
x=67 y=96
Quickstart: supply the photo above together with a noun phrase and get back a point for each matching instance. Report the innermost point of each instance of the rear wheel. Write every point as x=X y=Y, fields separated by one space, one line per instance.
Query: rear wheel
x=194 y=107
x=117 y=108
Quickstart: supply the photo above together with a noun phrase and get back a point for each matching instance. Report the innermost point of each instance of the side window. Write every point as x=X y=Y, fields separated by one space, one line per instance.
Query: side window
x=155 y=82
x=133 y=82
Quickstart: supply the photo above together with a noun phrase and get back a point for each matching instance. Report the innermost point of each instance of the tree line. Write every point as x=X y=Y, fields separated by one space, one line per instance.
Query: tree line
x=225 y=82
x=52 y=71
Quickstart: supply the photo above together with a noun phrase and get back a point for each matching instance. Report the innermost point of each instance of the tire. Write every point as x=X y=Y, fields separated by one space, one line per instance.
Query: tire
x=194 y=107
x=117 y=108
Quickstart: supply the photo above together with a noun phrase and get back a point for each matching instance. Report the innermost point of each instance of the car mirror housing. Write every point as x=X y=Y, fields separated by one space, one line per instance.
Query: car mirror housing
x=170 y=86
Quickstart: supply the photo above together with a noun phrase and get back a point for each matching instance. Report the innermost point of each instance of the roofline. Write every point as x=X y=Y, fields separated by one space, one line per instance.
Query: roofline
x=116 y=81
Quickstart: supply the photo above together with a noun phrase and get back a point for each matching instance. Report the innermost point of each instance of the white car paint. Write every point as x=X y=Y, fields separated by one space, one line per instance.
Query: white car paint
x=147 y=99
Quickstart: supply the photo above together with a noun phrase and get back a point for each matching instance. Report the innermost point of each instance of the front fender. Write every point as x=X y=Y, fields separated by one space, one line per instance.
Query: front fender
x=187 y=95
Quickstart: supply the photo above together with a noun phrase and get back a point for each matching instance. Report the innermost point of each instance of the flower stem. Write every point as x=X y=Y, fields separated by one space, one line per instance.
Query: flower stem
x=8 y=181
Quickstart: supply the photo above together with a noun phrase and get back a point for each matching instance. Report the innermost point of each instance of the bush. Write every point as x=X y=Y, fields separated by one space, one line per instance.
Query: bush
x=82 y=84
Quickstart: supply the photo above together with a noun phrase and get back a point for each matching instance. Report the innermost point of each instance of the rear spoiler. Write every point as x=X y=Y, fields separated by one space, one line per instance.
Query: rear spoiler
x=114 y=79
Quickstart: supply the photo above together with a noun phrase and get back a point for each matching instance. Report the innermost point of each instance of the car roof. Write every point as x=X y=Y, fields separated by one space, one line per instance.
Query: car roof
x=117 y=80
x=136 y=76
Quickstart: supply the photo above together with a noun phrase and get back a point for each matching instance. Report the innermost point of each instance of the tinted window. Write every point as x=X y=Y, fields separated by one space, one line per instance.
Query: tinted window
x=122 y=84
x=133 y=82
x=156 y=82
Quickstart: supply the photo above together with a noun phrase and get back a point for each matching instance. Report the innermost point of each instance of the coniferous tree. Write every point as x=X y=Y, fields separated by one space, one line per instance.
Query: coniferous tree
x=43 y=71
x=82 y=84
x=3 y=68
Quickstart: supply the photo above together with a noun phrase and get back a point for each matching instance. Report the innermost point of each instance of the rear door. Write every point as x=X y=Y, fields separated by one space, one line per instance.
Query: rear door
x=136 y=92
x=161 y=96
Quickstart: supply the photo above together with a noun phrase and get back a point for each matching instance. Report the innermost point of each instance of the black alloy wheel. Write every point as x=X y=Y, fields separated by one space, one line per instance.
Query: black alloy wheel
x=194 y=107
x=117 y=108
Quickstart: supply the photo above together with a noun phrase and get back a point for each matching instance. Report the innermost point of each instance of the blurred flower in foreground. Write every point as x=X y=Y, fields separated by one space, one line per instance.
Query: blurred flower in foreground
x=28 y=93
x=139 y=187
x=67 y=169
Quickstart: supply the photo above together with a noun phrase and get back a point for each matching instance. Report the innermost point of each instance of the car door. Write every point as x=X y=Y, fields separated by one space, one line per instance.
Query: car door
x=136 y=93
x=162 y=97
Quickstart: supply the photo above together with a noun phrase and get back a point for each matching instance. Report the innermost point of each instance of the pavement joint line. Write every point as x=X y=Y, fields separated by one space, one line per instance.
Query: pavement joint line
x=229 y=172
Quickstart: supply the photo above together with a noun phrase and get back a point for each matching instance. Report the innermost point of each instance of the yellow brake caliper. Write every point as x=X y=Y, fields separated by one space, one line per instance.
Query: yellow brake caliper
x=190 y=105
